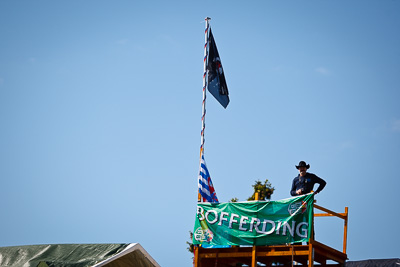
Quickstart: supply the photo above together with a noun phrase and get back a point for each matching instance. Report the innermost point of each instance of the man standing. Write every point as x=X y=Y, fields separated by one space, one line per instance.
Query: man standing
x=304 y=182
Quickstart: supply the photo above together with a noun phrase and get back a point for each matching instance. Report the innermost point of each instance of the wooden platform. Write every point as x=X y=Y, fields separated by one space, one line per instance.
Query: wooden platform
x=313 y=253
x=305 y=255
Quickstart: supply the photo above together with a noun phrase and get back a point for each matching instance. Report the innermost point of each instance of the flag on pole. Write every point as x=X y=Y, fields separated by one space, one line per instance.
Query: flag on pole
x=206 y=188
x=216 y=77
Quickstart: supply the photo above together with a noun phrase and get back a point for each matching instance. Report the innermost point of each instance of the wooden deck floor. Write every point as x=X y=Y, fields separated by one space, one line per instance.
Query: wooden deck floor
x=304 y=255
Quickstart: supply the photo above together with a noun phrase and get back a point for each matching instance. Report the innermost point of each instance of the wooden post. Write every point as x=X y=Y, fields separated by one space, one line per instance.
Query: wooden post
x=253 y=256
x=346 y=211
x=196 y=257
x=310 y=255
x=254 y=250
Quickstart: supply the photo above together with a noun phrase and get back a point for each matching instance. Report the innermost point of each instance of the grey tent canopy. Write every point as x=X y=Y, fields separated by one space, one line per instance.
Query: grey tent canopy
x=76 y=255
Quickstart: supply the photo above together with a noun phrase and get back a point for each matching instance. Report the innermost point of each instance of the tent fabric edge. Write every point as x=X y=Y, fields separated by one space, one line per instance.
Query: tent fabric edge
x=130 y=248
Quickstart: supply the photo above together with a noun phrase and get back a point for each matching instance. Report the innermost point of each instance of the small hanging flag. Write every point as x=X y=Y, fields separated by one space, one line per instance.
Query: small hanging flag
x=216 y=77
x=206 y=188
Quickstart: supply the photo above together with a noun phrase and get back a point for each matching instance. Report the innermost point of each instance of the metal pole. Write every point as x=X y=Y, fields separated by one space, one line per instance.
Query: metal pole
x=203 y=117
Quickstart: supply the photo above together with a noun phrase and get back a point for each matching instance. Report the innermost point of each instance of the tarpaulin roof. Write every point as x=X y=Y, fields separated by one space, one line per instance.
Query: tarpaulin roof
x=374 y=263
x=76 y=255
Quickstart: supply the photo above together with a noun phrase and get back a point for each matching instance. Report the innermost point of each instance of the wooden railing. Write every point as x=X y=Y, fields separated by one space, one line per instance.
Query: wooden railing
x=344 y=216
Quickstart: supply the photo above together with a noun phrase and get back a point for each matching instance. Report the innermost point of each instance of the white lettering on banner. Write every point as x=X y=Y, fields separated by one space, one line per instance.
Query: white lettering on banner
x=256 y=227
x=286 y=226
x=232 y=220
x=215 y=214
x=242 y=222
x=252 y=224
x=304 y=230
x=222 y=217
x=278 y=227
x=200 y=211
x=265 y=227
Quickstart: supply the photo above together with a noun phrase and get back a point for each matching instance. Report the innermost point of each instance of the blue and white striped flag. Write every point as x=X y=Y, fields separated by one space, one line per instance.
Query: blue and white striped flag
x=206 y=188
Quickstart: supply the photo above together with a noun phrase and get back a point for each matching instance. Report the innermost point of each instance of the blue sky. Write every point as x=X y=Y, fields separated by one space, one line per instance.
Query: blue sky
x=100 y=114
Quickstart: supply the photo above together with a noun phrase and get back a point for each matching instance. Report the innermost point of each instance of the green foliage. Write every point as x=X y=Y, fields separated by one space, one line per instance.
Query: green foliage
x=190 y=248
x=265 y=190
x=235 y=199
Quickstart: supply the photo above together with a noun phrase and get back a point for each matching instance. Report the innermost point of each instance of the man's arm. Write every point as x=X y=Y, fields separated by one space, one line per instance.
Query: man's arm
x=293 y=190
x=321 y=183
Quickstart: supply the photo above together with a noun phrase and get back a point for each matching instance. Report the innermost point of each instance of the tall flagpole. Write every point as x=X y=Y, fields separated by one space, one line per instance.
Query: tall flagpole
x=203 y=117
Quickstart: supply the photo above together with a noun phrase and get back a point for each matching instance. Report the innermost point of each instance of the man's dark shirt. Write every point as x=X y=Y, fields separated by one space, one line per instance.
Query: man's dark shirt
x=307 y=184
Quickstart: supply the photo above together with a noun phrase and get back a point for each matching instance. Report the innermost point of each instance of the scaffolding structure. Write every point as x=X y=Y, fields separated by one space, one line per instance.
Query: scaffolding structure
x=310 y=254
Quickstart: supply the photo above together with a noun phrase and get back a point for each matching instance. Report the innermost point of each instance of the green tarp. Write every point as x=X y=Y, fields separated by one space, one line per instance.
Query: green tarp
x=254 y=223
x=76 y=255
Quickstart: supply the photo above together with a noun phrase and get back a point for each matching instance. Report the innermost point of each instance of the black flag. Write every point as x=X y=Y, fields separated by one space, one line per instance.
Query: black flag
x=216 y=77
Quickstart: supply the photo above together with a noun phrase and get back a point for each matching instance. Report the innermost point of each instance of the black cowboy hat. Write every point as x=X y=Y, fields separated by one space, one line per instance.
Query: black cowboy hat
x=303 y=164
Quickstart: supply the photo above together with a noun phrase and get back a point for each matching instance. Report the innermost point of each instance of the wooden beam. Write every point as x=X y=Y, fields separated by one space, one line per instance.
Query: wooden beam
x=310 y=255
x=282 y=253
x=346 y=210
x=226 y=255
x=196 y=257
x=253 y=256
x=249 y=254
x=331 y=256
x=328 y=215
x=328 y=252
x=330 y=212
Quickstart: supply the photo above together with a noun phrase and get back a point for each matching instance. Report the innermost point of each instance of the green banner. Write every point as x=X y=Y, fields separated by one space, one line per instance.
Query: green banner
x=255 y=222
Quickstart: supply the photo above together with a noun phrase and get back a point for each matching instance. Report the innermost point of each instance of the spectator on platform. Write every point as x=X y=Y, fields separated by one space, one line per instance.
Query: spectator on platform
x=305 y=181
